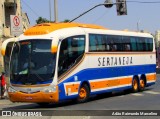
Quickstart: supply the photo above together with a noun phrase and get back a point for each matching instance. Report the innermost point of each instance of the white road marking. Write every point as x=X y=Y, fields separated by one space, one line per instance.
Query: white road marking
x=152 y=92
x=137 y=94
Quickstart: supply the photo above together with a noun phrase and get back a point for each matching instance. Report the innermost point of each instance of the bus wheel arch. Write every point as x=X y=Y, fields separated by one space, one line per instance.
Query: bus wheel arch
x=135 y=84
x=84 y=92
x=142 y=82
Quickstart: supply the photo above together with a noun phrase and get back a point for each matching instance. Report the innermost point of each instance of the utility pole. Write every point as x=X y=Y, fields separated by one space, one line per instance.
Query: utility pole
x=138 y=25
x=15 y=7
x=55 y=11
x=50 y=17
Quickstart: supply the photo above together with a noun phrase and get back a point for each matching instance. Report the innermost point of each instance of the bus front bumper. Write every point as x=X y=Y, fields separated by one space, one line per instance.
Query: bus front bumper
x=37 y=97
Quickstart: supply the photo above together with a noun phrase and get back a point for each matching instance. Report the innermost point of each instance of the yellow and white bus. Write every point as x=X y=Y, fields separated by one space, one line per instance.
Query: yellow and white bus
x=52 y=62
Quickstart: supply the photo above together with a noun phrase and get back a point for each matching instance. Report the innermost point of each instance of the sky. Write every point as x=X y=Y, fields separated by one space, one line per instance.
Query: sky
x=146 y=15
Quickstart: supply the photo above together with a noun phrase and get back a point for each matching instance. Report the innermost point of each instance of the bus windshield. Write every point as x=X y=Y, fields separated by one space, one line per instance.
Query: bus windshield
x=32 y=62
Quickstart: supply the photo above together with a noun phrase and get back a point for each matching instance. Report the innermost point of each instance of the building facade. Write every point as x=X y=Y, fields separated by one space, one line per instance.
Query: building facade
x=7 y=8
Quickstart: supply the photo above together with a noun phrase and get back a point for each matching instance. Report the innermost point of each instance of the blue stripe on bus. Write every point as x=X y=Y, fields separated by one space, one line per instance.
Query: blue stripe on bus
x=106 y=72
x=110 y=72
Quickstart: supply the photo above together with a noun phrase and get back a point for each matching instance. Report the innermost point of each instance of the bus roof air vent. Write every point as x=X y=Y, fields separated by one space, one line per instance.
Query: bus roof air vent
x=46 y=28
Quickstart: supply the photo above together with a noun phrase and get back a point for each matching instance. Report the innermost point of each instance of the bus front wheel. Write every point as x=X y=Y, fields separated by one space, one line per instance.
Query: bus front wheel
x=83 y=95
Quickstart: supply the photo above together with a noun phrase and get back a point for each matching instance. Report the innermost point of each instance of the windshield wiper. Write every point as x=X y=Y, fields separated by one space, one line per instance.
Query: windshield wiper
x=39 y=77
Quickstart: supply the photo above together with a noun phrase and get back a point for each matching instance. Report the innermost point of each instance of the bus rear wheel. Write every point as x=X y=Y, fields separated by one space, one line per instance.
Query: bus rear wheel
x=83 y=95
x=142 y=84
x=135 y=85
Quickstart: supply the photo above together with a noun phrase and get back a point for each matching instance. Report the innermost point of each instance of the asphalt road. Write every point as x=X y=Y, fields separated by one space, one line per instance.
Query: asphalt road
x=146 y=100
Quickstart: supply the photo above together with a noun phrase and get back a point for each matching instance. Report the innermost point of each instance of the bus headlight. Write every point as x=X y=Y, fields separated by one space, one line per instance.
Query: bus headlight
x=11 y=90
x=50 y=89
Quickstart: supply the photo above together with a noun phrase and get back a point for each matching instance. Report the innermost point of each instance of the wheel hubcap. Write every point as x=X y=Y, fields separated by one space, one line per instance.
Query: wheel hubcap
x=142 y=83
x=135 y=85
x=82 y=93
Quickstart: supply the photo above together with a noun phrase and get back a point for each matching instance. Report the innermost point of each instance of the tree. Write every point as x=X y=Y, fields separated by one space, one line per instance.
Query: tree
x=66 y=20
x=42 y=20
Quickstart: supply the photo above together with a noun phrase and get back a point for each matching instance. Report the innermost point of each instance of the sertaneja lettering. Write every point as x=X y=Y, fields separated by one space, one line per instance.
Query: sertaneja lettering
x=114 y=61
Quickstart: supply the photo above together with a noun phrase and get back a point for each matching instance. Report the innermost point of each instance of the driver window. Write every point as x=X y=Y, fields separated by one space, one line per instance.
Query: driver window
x=71 y=50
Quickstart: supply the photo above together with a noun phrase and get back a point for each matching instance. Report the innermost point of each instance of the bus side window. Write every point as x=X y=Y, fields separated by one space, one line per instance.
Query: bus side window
x=133 y=44
x=150 y=44
x=114 y=48
x=71 y=50
x=62 y=55
x=92 y=43
x=107 y=47
x=100 y=43
x=107 y=43
x=127 y=47
x=126 y=40
x=139 y=44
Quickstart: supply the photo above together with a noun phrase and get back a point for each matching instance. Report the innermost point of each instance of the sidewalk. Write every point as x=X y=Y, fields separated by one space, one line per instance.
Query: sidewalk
x=5 y=101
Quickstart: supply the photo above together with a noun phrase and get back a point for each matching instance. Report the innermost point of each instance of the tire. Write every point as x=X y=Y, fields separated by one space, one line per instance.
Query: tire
x=142 y=84
x=135 y=85
x=84 y=93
